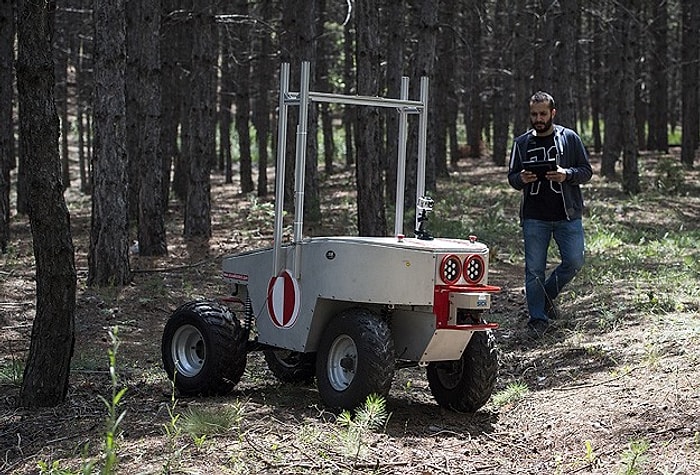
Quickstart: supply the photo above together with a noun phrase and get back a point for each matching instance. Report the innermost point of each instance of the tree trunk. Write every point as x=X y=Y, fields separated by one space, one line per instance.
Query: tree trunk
x=263 y=70
x=147 y=101
x=350 y=80
x=371 y=214
x=202 y=112
x=323 y=63
x=612 y=118
x=442 y=91
x=170 y=93
x=298 y=44
x=7 y=142
x=523 y=64
x=502 y=86
x=689 y=81
x=473 y=109
x=657 y=138
x=396 y=39
x=628 y=37
x=227 y=88
x=108 y=258
x=242 y=95
x=565 y=53
x=47 y=370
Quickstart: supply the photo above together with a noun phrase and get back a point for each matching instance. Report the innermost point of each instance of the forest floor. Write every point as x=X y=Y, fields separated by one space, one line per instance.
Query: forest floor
x=615 y=389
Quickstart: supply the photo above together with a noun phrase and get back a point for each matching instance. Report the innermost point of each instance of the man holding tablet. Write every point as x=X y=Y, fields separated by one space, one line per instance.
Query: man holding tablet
x=548 y=163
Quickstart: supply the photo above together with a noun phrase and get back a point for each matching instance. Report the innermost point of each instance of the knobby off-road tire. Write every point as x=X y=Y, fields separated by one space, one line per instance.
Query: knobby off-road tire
x=203 y=348
x=355 y=359
x=466 y=384
x=291 y=366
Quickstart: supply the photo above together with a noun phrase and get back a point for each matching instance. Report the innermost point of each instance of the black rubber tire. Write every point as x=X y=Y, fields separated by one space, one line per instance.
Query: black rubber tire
x=355 y=359
x=291 y=366
x=203 y=349
x=466 y=384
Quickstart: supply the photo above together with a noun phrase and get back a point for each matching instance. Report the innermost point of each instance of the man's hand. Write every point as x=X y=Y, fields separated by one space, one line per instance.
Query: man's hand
x=528 y=177
x=559 y=175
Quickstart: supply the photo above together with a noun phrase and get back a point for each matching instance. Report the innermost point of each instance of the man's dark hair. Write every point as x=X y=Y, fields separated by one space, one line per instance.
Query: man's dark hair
x=541 y=96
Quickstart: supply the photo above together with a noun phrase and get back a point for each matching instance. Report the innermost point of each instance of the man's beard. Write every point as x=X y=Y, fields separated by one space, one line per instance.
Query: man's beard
x=541 y=127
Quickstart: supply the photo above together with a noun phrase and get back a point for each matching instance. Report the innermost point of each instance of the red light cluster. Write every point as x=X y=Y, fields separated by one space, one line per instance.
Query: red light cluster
x=452 y=268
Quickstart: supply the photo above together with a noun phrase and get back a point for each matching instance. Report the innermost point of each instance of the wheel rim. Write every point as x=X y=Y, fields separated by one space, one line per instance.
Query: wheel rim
x=342 y=362
x=188 y=350
x=449 y=373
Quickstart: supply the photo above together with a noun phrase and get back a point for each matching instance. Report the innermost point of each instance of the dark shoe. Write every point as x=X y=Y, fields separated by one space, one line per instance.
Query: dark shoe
x=537 y=328
x=550 y=309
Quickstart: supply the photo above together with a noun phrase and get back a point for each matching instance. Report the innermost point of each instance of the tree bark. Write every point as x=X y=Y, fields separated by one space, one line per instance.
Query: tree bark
x=396 y=39
x=145 y=49
x=612 y=115
x=264 y=71
x=202 y=112
x=108 y=258
x=657 y=138
x=689 y=81
x=371 y=214
x=47 y=370
x=7 y=136
x=628 y=37
x=242 y=95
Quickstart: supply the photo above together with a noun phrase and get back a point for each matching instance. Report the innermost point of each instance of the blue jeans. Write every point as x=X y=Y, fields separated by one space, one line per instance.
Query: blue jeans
x=537 y=235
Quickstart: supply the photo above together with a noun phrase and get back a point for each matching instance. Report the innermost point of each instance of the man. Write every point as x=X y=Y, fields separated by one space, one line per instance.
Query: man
x=548 y=163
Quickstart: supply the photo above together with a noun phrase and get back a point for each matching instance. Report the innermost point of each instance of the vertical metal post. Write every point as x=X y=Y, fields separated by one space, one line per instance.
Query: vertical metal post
x=401 y=167
x=422 y=143
x=300 y=172
x=279 y=175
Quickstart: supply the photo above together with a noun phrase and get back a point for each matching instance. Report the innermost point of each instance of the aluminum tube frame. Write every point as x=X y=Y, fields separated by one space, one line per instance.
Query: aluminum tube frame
x=280 y=170
x=422 y=145
x=401 y=166
x=300 y=165
x=302 y=99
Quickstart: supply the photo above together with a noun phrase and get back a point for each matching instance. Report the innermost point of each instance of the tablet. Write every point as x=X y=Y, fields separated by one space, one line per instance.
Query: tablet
x=540 y=167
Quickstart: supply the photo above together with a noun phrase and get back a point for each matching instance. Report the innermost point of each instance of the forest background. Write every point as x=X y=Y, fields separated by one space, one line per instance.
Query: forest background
x=137 y=105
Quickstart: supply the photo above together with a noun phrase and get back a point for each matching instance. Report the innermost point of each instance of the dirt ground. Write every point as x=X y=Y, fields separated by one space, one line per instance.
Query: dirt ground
x=596 y=397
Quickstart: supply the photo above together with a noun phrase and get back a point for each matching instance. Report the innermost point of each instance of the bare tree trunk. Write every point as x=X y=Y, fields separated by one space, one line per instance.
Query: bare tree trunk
x=46 y=373
x=7 y=142
x=596 y=84
x=657 y=138
x=170 y=93
x=323 y=63
x=242 y=91
x=523 y=64
x=502 y=85
x=689 y=82
x=425 y=22
x=442 y=91
x=202 y=112
x=350 y=79
x=565 y=80
x=298 y=44
x=473 y=108
x=264 y=72
x=612 y=115
x=628 y=37
x=227 y=88
x=145 y=50
x=108 y=258
x=396 y=32
x=371 y=214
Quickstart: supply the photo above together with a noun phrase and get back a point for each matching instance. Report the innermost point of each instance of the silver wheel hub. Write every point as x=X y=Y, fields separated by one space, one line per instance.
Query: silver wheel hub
x=342 y=362
x=188 y=350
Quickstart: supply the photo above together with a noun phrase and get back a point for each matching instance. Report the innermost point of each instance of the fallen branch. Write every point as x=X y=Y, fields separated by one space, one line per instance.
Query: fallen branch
x=599 y=383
